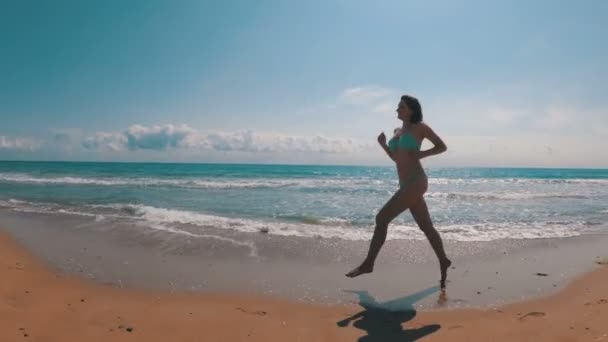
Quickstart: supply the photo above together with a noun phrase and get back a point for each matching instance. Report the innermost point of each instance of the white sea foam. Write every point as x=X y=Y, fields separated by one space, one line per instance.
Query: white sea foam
x=253 y=251
x=16 y=204
x=171 y=219
x=203 y=183
x=523 y=181
x=504 y=196
x=12 y=203
x=50 y=208
x=517 y=230
x=463 y=232
x=238 y=183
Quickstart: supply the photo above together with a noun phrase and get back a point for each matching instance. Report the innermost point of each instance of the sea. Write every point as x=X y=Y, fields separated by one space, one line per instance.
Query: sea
x=327 y=202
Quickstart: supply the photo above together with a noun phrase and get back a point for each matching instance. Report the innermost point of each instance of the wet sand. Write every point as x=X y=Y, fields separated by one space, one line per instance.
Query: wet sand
x=485 y=274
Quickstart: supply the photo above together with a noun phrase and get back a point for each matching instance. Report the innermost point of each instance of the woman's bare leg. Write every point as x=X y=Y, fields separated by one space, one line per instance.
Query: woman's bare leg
x=395 y=206
x=421 y=215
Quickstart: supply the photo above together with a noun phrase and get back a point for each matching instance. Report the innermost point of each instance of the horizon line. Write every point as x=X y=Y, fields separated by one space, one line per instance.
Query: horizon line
x=295 y=164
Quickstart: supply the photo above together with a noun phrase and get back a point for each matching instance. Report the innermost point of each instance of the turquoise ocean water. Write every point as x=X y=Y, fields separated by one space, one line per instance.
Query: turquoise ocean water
x=466 y=204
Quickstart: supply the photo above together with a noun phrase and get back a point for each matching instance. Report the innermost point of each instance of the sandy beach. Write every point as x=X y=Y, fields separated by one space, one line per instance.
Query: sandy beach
x=39 y=304
x=303 y=171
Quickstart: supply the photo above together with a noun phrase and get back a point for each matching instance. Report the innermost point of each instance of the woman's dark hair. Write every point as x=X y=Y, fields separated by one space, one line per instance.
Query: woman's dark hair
x=414 y=106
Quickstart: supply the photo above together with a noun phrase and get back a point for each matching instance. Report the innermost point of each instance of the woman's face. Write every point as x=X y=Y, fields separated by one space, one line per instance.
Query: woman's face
x=403 y=111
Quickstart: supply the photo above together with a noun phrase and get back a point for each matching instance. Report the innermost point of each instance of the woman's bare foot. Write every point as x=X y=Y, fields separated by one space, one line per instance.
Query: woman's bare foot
x=444 y=271
x=362 y=269
x=443 y=298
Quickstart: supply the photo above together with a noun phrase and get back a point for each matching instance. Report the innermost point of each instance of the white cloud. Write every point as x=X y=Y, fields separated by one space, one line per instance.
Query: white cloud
x=530 y=150
x=359 y=112
x=515 y=110
x=375 y=99
x=66 y=139
x=156 y=137
x=62 y=138
x=105 y=141
x=18 y=143
x=249 y=141
x=161 y=138
x=500 y=126
x=365 y=94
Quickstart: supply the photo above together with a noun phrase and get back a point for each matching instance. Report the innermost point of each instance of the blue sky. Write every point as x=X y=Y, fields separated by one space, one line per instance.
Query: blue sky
x=505 y=83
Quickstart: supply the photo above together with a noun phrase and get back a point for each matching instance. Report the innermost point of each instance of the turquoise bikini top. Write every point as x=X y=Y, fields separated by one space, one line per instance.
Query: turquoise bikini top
x=406 y=141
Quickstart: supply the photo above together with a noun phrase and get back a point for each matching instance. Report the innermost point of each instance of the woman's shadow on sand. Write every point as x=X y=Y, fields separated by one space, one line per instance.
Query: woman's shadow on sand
x=382 y=321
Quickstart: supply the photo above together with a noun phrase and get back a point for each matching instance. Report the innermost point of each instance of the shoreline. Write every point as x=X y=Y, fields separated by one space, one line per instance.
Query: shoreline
x=55 y=307
x=484 y=275
x=308 y=270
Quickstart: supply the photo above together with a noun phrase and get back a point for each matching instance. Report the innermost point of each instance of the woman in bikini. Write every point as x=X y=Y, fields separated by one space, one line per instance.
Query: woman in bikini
x=404 y=149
